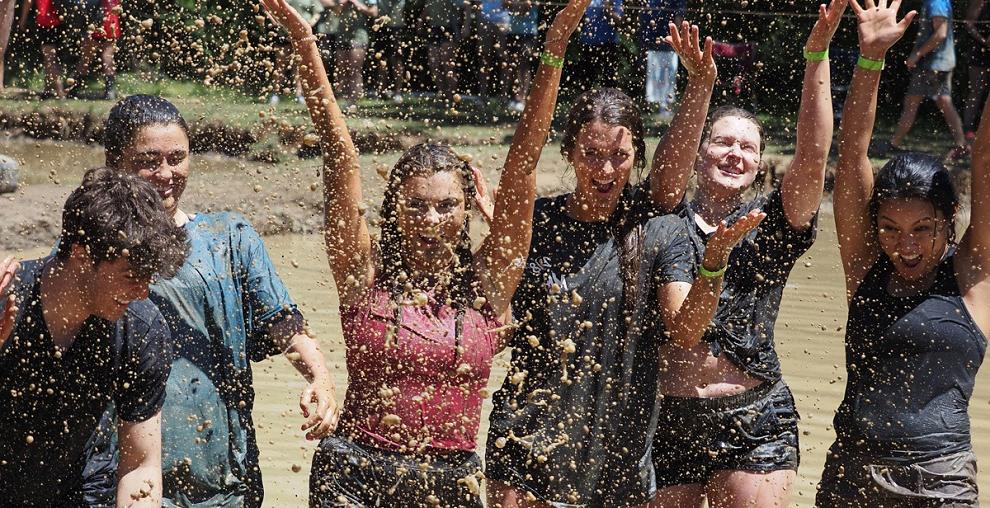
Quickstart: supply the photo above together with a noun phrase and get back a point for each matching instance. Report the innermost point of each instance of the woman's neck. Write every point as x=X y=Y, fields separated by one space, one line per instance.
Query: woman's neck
x=713 y=210
x=582 y=209
x=181 y=218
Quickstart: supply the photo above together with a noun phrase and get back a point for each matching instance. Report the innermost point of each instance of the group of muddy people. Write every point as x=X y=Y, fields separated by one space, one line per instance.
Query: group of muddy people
x=641 y=318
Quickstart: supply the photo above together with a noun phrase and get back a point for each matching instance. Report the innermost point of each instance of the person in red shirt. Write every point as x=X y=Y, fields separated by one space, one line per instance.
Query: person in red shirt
x=105 y=16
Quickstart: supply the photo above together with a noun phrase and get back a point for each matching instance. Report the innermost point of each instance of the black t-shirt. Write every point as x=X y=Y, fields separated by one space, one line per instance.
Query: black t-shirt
x=577 y=410
x=50 y=403
x=754 y=284
x=911 y=364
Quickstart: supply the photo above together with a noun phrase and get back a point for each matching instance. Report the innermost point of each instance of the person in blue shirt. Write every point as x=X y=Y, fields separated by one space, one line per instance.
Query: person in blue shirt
x=226 y=308
x=661 y=59
x=598 y=64
x=931 y=63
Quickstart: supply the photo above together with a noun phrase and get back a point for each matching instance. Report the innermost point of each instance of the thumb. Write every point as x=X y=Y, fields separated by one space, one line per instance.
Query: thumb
x=305 y=398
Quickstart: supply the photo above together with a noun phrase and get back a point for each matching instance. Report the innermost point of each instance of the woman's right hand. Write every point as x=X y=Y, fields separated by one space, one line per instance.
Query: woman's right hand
x=288 y=18
x=686 y=42
x=725 y=238
x=878 y=26
x=563 y=26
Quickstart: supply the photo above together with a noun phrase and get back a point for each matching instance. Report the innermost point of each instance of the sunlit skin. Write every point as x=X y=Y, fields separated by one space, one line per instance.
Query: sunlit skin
x=160 y=154
x=431 y=217
x=603 y=158
x=729 y=159
x=914 y=235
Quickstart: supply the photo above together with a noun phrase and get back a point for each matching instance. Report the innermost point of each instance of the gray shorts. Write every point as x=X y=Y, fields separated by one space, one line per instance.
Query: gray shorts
x=929 y=83
x=855 y=478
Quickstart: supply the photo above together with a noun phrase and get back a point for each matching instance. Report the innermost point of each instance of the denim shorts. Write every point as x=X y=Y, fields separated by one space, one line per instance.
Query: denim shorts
x=856 y=477
x=752 y=431
x=346 y=473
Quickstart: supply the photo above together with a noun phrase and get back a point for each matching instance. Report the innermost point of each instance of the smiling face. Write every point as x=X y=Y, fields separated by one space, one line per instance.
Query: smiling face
x=431 y=217
x=603 y=158
x=108 y=287
x=160 y=155
x=913 y=234
x=730 y=157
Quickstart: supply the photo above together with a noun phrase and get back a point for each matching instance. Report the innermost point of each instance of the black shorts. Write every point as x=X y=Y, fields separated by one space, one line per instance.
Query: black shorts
x=979 y=56
x=346 y=473
x=753 y=431
x=857 y=477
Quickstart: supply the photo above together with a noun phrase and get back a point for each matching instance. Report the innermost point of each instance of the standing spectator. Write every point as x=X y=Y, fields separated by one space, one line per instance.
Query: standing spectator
x=389 y=41
x=353 y=38
x=104 y=17
x=50 y=31
x=6 y=23
x=661 y=59
x=600 y=50
x=979 y=63
x=328 y=26
x=446 y=23
x=931 y=63
x=493 y=27
x=521 y=44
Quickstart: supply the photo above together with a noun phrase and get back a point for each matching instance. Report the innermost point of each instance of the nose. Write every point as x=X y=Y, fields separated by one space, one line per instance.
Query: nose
x=164 y=170
x=432 y=217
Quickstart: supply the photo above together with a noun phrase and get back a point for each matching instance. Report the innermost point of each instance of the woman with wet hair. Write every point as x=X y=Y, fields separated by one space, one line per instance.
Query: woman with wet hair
x=727 y=429
x=919 y=307
x=606 y=281
x=226 y=308
x=419 y=308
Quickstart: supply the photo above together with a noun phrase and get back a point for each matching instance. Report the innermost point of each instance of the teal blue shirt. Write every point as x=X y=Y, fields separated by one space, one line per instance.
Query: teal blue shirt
x=219 y=308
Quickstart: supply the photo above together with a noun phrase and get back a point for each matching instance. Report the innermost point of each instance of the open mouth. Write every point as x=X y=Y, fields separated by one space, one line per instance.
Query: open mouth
x=603 y=186
x=731 y=169
x=429 y=240
x=911 y=261
x=121 y=303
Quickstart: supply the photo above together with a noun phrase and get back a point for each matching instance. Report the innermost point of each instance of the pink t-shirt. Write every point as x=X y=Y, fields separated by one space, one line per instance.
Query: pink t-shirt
x=417 y=390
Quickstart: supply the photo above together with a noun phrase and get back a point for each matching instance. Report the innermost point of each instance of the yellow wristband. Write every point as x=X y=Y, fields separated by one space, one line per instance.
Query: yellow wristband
x=869 y=63
x=709 y=274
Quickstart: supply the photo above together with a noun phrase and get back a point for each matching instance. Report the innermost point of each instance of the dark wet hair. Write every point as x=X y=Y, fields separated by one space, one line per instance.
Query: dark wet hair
x=916 y=175
x=427 y=159
x=613 y=107
x=114 y=214
x=131 y=114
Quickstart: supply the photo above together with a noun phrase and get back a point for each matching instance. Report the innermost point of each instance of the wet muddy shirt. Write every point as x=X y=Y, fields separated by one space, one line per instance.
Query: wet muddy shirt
x=219 y=308
x=759 y=265
x=576 y=413
x=911 y=364
x=419 y=387
x=50 y=403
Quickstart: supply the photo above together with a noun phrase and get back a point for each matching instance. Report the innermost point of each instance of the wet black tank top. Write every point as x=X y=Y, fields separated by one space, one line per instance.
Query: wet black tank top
x=911 y=363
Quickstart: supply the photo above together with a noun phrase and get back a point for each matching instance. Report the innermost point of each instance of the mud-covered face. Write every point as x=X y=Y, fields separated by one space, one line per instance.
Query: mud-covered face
x=431 y=216
x=109 y=286
x=913 y=234
x=603 y=158
x=160 y=155
x=730 y=157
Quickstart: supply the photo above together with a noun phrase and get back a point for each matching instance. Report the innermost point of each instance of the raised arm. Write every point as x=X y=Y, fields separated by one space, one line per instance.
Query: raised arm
x=878 y=31
x=972 y=16
x=139 y=476
x=804 y=182
x=673 y=162
x=687 y=309
x=501 y=259
x=348 y=241
x=975 y=245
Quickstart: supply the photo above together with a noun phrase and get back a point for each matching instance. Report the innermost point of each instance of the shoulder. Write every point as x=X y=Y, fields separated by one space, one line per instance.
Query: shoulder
x=143 y=318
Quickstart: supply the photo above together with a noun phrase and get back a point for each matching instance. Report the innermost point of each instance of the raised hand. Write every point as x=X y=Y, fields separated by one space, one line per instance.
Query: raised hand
x=878 y=26
x=8 y=306
x=726 y=237
x=687 y=44
x=564 y=24
x=288 y=18
x=828 y=21
x=484 y=200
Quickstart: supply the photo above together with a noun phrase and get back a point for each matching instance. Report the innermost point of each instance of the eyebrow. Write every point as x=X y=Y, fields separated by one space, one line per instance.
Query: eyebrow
x=888 y=219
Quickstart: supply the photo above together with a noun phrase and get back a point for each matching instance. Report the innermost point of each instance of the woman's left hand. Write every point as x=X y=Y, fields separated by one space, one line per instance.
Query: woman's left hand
x=828 y=21
x=484 y=200
x=686 y=41
x=725 y=238
x=288 y=18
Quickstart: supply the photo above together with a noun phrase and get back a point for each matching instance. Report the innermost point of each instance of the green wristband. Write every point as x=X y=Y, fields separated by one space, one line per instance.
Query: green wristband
x=869 y=63
x=708 y=274
x=815 y=56
x=552 y=61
